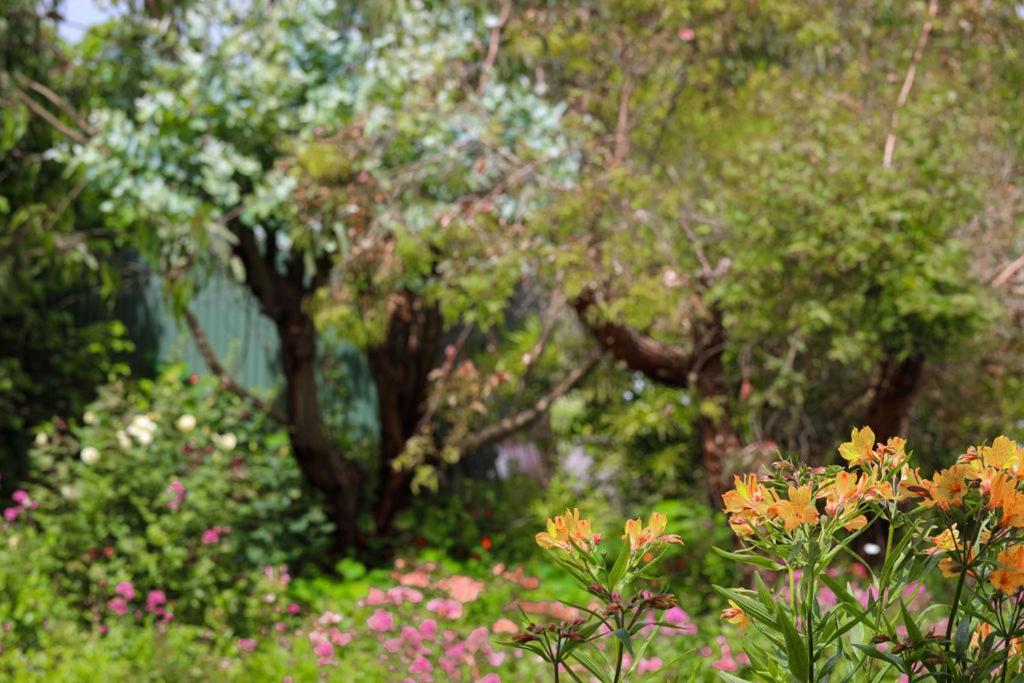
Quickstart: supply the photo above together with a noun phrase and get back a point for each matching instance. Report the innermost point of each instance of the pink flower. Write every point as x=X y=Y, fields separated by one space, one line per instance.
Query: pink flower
x=118 y=606
x=428 y=629
x=398 y=595
x=462 y=588
x=293 y=608
x=421 y=665
x=376 y=597
x=11 y=513
x=155 y=600
x=446 y=609
x=329 y=617
x=211 y=536
x=20 y=497
x=381 y=621
x=177 y=491
x=648 y=665
x=477 y=639
x=417 y=579
x=489 y=678
x=246 y=644
x=504 y=625
x=322 y=648
x=680 y=621
x=126 y=590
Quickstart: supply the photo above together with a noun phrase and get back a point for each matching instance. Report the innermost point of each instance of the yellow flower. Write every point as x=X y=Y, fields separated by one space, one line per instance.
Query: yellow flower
x=1003 y=454
x=640 y=536
x=1009 y=577
x=734 y=614
x=860 y=446
x=565 y=530
x=799 y=509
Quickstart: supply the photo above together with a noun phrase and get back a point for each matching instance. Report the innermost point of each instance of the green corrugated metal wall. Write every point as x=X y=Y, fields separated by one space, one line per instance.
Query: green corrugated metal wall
x=243 y=338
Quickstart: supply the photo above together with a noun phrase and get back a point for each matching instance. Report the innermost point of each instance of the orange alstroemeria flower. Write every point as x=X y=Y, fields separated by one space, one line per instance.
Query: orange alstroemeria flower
x=641 y=537
x=1009 y=576
x=949 y=542
x=947 y=487
x=564 y=530
x=734 y=614
x=798 y=509
x=980 y=634
x=746 y=504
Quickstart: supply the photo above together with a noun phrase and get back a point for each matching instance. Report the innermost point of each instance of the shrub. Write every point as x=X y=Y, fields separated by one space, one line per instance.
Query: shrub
x=170 y=500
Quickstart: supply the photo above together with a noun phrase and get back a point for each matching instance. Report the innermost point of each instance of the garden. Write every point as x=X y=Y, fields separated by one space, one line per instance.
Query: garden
x=489 y=341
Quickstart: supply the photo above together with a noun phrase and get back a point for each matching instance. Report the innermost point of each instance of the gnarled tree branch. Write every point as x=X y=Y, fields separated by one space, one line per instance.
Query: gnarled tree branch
x=523 y=418
x=664 y=363
x=223 y=376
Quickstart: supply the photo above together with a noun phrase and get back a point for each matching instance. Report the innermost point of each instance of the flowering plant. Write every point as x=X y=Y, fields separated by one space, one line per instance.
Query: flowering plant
x=625 y=602
x=965 y=520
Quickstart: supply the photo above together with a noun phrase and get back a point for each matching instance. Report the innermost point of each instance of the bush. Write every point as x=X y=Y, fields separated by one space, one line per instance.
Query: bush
x=170 y=486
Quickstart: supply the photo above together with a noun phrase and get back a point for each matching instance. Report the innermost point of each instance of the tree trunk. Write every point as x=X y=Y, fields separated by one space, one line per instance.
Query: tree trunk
x=718 y=438
x=324 y=465
x=888 y=413
x=701 y=369
x=401 y=366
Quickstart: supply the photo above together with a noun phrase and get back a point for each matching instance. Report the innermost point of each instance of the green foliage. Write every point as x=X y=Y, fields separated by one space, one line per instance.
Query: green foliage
x=173 y=487
x=50 y=363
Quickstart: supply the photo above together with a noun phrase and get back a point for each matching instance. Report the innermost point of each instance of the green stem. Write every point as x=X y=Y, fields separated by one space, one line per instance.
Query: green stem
x=955 y=605
x=619 y=653
x=810 y=621
x=558 y=654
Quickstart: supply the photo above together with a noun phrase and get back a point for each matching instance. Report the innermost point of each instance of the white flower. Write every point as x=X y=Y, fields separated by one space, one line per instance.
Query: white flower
x=42 y=439
x=123 y=440
x=89 y=417
x=69 y=492
x=225 y=442
x=142 y=429
x=186 y=423
x=90 y=455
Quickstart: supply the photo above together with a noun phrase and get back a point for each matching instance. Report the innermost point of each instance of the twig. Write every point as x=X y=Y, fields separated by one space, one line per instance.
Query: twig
x=493 y=45
x=72 y=196
x=1008 y=272
x=908 y=83
x=62 y=103
x=225 y=378
x=43 y=113
x=622 y=124
x=512 y=423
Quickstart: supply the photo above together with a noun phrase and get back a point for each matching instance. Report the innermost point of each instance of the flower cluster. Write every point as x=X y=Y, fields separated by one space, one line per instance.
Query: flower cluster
x=621 y=611
x=967 y=518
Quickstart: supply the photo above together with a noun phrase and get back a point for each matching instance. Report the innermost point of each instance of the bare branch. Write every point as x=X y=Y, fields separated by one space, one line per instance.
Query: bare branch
x=622 y=124
x=493 y=44
x=44 y=114
x=60 y=102
x=908 y=83
x=513 y=423
x=223 y=376
x=1007 y=273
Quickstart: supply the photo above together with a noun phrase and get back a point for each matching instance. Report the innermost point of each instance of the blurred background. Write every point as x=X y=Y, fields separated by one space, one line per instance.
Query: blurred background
x=304 y=298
